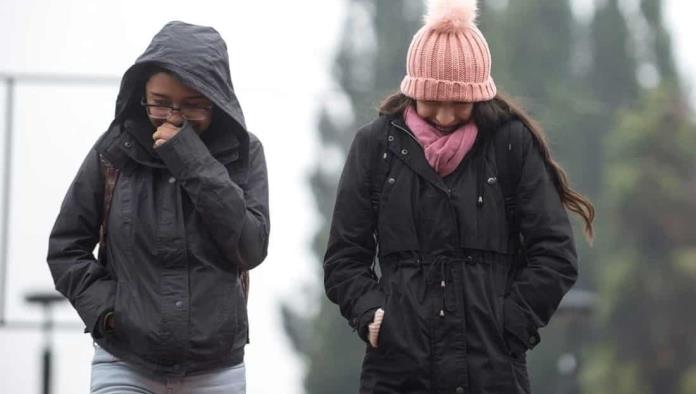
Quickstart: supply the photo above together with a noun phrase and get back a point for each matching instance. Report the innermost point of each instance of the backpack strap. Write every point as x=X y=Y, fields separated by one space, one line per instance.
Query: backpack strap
x=110 y=175
x=508 y=156
x=509 y=160
x=380 y=171
x=244 y=280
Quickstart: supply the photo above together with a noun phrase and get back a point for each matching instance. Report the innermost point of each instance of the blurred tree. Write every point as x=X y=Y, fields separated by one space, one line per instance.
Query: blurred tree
x=661 y=52
x=612 y=81
x=370 y=63
x=613 y=71
x=649 y=269
x=649 y=275
x=531 y=44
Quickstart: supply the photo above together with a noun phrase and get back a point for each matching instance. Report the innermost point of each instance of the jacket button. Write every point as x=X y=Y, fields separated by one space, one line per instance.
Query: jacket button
x=390 y=138
x=404 y=151
x=127 y=144
x=172 y=179
x=492 y=180
x=179 y=304
x=460 y=390
x=391 y=181
x=533 y=340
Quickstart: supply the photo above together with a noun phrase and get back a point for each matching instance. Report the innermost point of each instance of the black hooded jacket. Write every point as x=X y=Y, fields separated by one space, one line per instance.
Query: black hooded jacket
x=185 y=218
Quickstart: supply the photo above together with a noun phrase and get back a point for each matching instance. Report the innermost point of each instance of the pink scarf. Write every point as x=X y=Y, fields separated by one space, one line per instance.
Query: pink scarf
x=444 y=152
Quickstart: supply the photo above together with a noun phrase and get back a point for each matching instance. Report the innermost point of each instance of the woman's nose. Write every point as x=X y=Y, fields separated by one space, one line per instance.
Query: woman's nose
x=175 y=117
x=445 y=117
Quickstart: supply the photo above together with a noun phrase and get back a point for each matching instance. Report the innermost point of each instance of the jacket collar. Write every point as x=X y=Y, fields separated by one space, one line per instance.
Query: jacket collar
x=403 y=144
x=131 y=140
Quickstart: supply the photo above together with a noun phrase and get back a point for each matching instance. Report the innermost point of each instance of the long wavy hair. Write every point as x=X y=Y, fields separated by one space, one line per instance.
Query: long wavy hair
x=488 y=115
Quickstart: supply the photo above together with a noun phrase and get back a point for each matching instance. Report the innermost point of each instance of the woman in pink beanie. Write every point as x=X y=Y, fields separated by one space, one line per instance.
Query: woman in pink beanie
x=450 y=245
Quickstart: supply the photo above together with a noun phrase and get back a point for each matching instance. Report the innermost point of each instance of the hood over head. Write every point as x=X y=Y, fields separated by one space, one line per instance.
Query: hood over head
x=197 y=56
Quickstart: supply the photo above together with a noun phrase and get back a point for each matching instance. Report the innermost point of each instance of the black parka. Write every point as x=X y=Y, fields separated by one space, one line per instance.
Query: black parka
x=185 y=218
x=460 y=309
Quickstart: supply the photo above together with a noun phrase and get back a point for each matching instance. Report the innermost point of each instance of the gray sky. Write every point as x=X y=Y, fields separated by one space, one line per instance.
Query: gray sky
x=280 y=53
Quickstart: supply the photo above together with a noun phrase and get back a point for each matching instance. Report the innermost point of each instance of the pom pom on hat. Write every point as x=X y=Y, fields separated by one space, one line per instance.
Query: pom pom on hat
x=449 y=16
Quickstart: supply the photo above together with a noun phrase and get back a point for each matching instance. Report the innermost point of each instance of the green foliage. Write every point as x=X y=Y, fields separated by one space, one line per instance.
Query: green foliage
x=650 y=271
x=614 y=64
x=648 y=268
x=605 y=376
x=688 y=382
x=335 y=354
x=531 y=44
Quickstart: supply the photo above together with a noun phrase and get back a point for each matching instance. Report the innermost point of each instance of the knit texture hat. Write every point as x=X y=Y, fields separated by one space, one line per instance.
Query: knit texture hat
x=449 y=59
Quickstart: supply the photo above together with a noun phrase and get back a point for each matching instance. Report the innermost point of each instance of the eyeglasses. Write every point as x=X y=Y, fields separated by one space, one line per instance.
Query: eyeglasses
x=188 y=112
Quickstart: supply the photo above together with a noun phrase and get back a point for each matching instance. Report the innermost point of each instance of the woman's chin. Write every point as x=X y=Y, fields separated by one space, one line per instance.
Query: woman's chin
x=447 y=130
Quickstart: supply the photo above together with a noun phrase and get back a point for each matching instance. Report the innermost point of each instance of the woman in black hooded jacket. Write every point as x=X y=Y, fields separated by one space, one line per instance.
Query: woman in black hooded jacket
x=177 y=189
x=454 y=191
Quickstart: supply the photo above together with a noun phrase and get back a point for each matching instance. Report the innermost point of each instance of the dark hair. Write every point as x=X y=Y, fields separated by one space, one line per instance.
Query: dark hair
x=144 y=73
x=149 y=70
x=488 y=115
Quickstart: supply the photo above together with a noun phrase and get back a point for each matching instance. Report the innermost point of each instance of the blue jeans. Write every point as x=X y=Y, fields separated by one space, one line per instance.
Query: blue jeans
x=110 y=375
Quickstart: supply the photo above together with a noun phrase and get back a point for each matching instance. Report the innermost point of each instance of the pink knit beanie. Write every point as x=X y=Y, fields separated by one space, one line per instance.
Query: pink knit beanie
x=449 y=59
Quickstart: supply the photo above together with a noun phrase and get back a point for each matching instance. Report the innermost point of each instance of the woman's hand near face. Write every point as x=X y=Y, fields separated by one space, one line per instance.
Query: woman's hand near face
x=164 y=133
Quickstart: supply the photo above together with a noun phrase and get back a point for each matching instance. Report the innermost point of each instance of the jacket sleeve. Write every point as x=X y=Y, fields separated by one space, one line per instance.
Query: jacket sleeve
x=348 y=277
x=77 y=275
x=551 y=261
x=236 y=217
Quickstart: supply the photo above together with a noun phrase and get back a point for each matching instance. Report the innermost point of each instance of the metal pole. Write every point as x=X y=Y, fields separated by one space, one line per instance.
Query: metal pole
x=6 y=182
x=46 y=301
x=46 y=371
x=47 y=351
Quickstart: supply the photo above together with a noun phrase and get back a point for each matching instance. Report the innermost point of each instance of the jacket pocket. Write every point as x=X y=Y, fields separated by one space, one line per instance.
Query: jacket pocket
x=130 y=326
x=518 y=336
x=394 y=334
x=231 y=316
x=498 y=317
x=120 y=330
x=403 y=331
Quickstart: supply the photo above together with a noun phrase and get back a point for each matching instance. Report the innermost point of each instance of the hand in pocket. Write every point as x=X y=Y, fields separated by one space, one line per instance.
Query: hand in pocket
x=373 y=328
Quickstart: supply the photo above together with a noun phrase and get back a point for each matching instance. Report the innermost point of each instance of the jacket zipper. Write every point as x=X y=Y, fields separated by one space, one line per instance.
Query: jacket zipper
x=446 y=190
x=405 y=131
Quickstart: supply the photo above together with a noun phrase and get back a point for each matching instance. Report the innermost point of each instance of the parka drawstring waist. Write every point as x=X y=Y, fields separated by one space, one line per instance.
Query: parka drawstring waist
x=437 y=271
x=441 y=265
